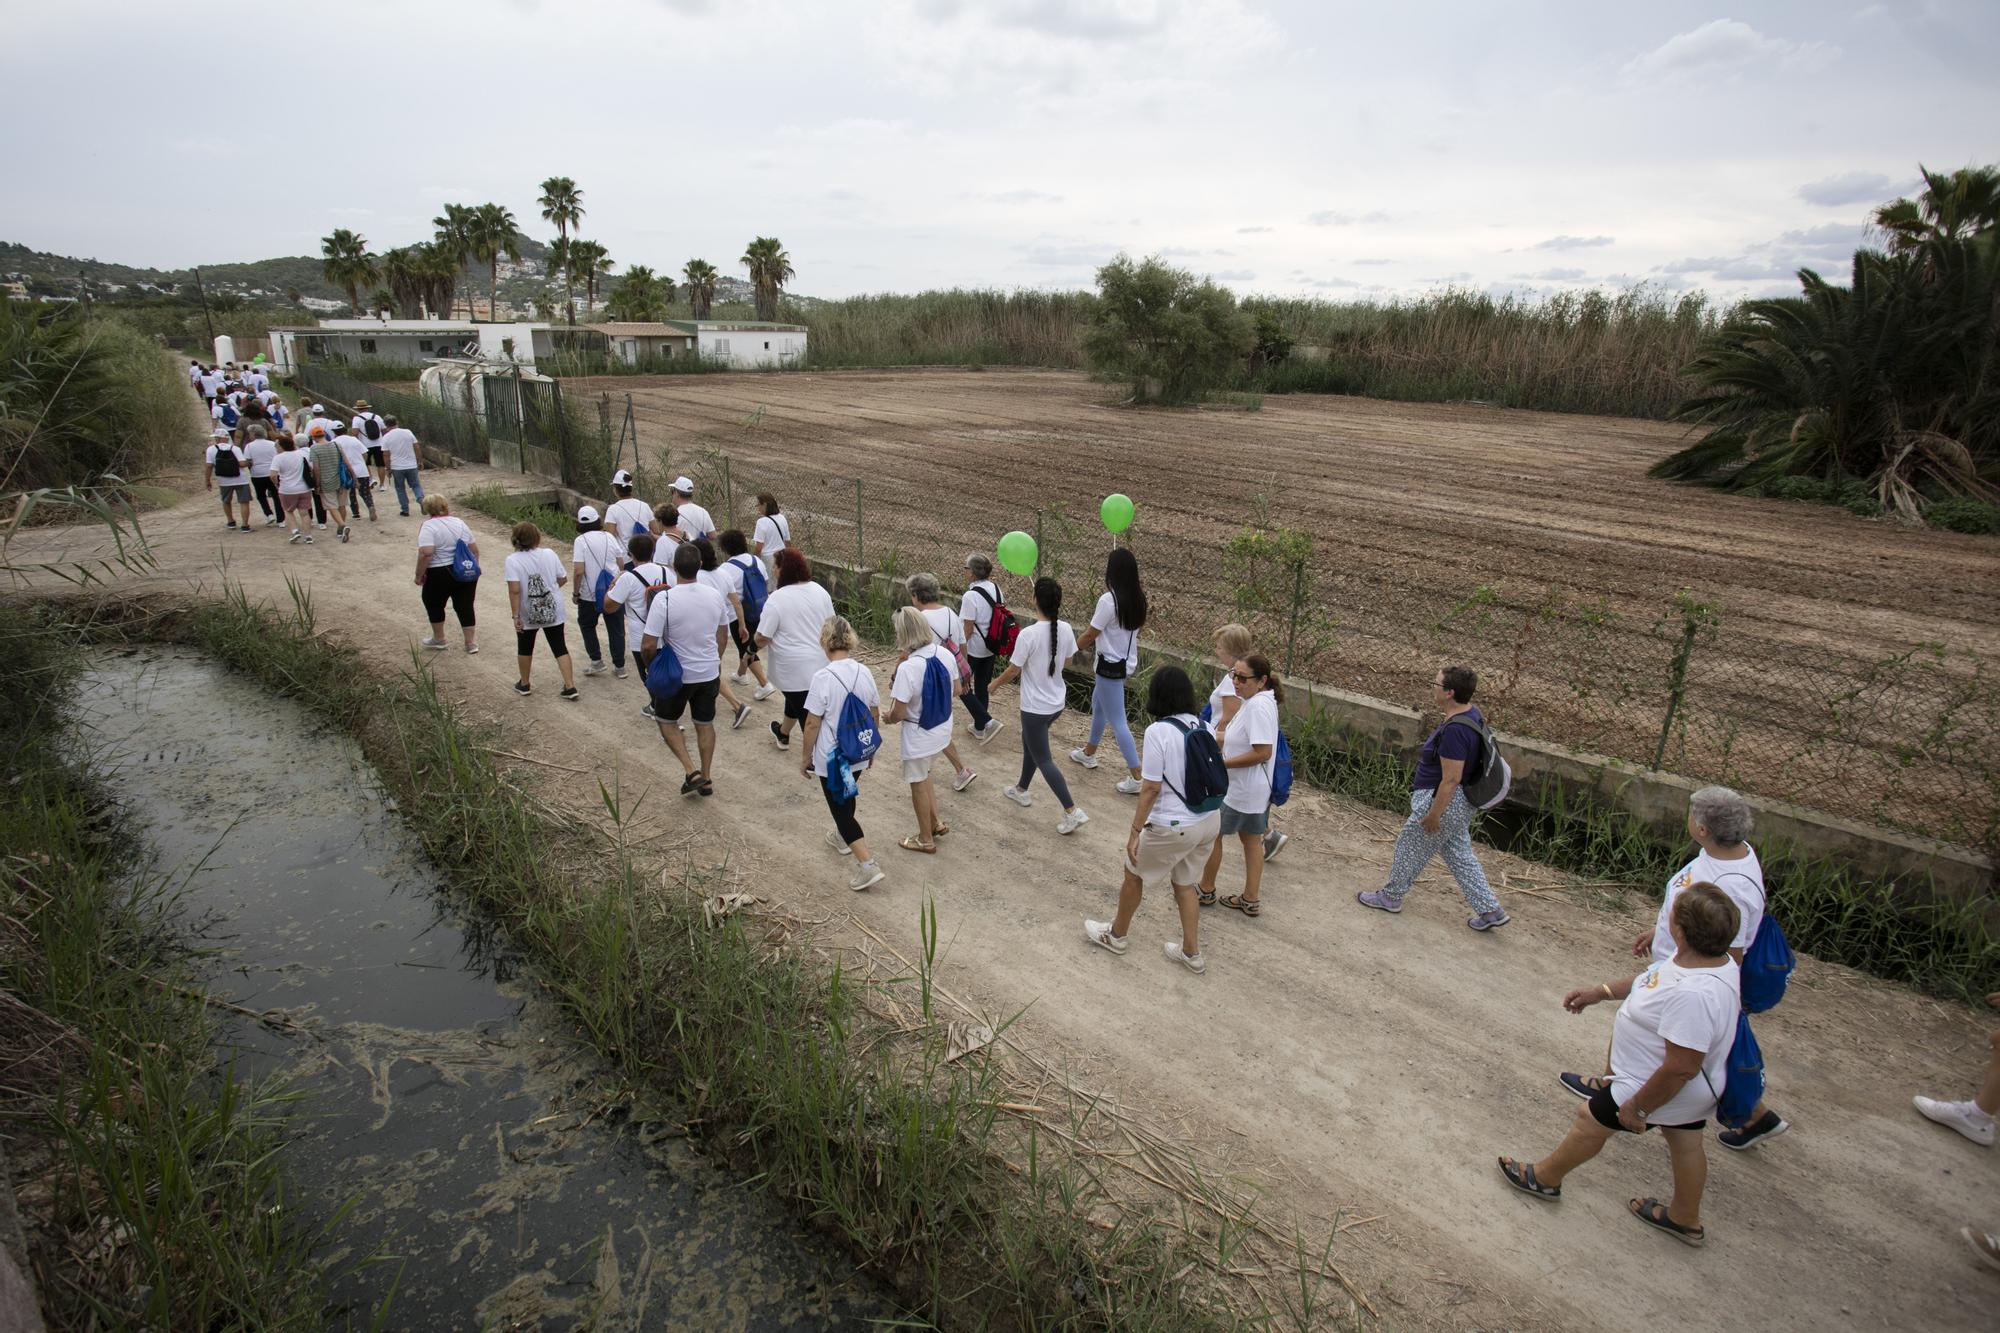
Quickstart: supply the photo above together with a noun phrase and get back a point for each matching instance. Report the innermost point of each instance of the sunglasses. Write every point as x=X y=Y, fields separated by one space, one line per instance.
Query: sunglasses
x=1242 y=675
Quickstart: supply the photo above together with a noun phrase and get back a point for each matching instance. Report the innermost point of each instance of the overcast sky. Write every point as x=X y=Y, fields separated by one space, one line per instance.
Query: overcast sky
x=1291 y=148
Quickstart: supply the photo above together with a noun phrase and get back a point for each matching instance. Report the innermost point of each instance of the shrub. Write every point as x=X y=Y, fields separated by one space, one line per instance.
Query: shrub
x=1173 y=337
x=82 y=397
x=1965 y=515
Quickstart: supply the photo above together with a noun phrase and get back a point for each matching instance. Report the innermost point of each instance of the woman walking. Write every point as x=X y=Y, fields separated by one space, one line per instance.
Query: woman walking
x=1249 y=752
x=794 y=615
x=1041 y=651
x=1114 y=633
x=596 y=560
x=535 y=580
x=1232 y=644
x=975 y=611
x=832 y=685
x=921 y=744
x=772 y=534
x=735 y=570
x=711 y=577
x=437 y=546
x=1170 y=841
x=1669 y=1064
x=946 y=633
x=1440 y=815
x=294 y=491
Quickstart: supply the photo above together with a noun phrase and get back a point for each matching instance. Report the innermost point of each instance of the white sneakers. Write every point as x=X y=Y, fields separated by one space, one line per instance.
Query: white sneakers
x=989 y=731
x=1965 y=1117
x=1071 y=821
x=833 y=840
x=963 y=780
x=866 y=875
x=1128 y=786
x=1087 y=760
x=763 y=691
x=1017 y=796
x=1193 y=962
x=1099 y=933
x=435 y=645
x=594 y=669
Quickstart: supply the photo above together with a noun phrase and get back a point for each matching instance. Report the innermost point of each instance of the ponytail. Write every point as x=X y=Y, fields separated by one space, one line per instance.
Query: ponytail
x=1258 y=665
x=1048 y=600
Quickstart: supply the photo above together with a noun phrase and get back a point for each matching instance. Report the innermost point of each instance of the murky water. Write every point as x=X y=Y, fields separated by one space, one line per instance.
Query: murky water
x=500 y=1178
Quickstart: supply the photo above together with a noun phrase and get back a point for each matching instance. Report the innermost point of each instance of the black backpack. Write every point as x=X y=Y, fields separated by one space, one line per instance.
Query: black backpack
x=1205 y=780
x=371 y=426
x=227 y=465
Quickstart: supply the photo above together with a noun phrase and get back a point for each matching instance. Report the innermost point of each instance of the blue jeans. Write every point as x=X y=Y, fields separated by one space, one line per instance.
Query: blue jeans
x=1107 y=709
x=588 y=613
x=407 y=476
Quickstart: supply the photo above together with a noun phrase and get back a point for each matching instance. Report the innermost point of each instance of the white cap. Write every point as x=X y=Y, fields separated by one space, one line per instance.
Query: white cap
x=685 y=485
x=318 y=411
x=219 y=433
x=587 y=515
x=621 y=478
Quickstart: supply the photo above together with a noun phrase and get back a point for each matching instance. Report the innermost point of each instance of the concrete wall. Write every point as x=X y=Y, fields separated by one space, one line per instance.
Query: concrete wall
x=754 y=347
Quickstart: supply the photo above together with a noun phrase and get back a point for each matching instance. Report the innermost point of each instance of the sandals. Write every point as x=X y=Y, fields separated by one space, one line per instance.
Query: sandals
x=1206 y=897
x=913 y=844
x=1236 y=902
x=1654 y=1214
x=1521 y=1175
x=939 y=830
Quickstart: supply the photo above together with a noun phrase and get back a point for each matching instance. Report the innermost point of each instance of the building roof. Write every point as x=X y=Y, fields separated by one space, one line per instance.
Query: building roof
x=733 y=326
x=395 y=328
x=642 y=329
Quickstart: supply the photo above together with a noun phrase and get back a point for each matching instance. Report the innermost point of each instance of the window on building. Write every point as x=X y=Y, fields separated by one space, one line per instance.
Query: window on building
x=426 y=345
x=722 y=347
x=767 y=346
x=368 y=346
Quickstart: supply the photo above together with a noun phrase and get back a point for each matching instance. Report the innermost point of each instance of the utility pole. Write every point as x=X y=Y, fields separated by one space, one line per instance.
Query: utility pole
x=202 y=292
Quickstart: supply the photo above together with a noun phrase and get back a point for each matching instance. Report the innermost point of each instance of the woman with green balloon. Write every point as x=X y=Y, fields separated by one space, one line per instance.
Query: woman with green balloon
x=1114 y=632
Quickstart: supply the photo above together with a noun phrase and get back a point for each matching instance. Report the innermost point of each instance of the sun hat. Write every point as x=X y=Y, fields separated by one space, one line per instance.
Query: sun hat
x=685 y=485
x=621 y=478
x=360 y=403
x=587 y=515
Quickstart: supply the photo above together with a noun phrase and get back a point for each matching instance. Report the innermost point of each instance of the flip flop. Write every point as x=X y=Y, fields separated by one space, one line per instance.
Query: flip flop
x=1654 y=1214
x=1521 y=1175
x=911 y=844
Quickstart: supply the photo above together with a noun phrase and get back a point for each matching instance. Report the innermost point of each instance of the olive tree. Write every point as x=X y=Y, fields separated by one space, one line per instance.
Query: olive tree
x=1174 y=336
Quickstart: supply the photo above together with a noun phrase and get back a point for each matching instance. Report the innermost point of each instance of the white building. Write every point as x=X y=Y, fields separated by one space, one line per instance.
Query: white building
x=746 y=343
x=408 y=341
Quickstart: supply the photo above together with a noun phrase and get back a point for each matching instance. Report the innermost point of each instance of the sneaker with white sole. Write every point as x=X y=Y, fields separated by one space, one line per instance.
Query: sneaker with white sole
x=309 y=539
x=1087 y=760
x=989 y=731
x=648 y=713
x=435 y=645
x=594 y=669
x=618 y=673
x=1984 y=1244
x=1129 y=786
x=779 y=738
x=763 y=692
x=742 y=716
x=741 y=678
x=1274 y=842
x=835 y=841
x=1965 y=1117
x=866 y=876
x=1099 y=933
x=1193 y=962
x=1072 y=820
x=1767 y=1126
x=295 y=539
x=1017 y=796
x=964 y=780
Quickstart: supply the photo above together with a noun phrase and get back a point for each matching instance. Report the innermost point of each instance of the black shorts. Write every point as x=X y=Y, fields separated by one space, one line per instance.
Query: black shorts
x=374 y=455
x=746 y=639
x=1604 y=1110
x=698 y=699
x=795 y=704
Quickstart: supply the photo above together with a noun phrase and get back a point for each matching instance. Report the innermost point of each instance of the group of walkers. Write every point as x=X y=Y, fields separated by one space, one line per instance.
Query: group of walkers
x=302 y=468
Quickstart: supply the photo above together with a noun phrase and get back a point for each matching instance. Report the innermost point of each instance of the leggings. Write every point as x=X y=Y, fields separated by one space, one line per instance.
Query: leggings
x=524 y=641
x=844 y=822
x=440 y=584
x=1035 y=755
x=266 y=490
x=588 y=613
x=1453 y=841
x=358 y=491
x=975 y=698
x=1107 y=709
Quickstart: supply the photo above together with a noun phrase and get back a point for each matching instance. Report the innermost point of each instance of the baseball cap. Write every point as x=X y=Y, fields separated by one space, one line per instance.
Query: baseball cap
x=685 y=485
x=621 y=478
x=318 y=411
x=587 y=514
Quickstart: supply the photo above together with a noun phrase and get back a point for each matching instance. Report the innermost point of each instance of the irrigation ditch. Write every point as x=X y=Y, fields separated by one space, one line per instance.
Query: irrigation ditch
x=965 y=1182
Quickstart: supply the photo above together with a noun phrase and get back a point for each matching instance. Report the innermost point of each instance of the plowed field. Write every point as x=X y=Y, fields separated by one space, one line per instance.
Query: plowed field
x=1840 y=666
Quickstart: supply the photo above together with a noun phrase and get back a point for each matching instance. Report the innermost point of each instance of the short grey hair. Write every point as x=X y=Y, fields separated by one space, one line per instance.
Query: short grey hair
x=924 y=587
x=838 y=636
x=256 y=432
x=1724 y=813
x=979 y=565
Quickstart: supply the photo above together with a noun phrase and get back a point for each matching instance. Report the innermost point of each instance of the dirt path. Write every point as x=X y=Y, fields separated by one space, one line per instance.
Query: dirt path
x=1339 y=1058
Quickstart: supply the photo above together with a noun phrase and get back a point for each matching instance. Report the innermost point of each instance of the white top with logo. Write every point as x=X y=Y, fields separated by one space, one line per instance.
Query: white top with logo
x=1693 y=1007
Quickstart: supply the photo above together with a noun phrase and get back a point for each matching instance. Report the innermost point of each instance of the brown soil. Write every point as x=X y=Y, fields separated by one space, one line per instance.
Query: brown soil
x=1338 y=1058
x=1413 y=508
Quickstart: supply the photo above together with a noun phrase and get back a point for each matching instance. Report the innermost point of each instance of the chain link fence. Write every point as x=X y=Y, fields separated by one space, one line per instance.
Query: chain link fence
x=458 y=429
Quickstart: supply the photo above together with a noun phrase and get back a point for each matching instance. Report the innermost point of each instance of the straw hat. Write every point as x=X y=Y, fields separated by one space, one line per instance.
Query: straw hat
x=360 y=404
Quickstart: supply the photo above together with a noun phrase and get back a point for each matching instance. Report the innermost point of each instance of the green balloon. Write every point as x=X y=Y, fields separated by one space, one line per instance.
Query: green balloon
x=1116 y=511
x=1017 y=553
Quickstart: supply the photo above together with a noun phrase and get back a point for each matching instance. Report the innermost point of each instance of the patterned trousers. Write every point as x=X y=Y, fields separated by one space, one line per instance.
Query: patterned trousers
x=1415 y=847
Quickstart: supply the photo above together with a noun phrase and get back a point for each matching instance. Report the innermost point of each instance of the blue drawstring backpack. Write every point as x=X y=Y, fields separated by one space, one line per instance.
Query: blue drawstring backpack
x=755 y=590
x=1767 y=967
x=855 y=741
x=1745 y=1069
x=935 y=708
x=603 y=589
x=464 y=565
x=1281 y=771
x=663 y=673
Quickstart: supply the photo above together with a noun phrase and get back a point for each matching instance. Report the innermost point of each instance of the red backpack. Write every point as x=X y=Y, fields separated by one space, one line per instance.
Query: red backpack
x=1001 y=628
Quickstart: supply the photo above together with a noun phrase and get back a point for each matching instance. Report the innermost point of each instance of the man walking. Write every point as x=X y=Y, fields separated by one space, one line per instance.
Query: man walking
x=695 y=522
x=400 y=445
x=693 y=619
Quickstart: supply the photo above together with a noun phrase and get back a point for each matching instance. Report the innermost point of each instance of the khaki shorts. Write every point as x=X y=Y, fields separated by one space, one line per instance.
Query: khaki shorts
x=1176 y=854
x=918 y=770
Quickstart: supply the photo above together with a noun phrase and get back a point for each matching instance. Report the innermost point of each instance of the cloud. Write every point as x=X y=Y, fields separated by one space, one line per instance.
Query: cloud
x=1059 y=253
x=1234 y=275
x=1334 y=218
x=1724 y=47
x=1834 y=240
x=1022 y=197
x=1091 y=20
x=1251 y=231
x=1554 y=275
x=1853 y=187
x=1372 y=263
x=1573 y=243
x=1331 y=282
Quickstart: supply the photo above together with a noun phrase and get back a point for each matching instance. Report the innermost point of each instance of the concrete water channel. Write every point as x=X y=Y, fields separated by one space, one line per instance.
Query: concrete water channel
x=499 y=1179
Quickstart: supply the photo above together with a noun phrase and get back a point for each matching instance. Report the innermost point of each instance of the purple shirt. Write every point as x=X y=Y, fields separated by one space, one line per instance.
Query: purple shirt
x=1450 y=741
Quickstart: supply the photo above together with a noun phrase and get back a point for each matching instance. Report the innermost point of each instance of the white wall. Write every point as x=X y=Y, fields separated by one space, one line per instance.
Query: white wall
x=753 y=347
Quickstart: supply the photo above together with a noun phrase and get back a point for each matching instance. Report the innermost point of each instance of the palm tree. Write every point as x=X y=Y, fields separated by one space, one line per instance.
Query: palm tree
x=403 y=270
x=640 y=295
x=454 y=238
x=438 y=266
x=770 y=269
x=347 y=263
x=562 y=204
x=700 y=275
x=589 y=261
x=561 y=264
x=492 y=233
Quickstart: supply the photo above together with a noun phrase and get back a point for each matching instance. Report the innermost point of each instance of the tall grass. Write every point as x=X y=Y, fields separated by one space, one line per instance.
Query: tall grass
x=492 y=501
x=958 y=327
x=153 y=1180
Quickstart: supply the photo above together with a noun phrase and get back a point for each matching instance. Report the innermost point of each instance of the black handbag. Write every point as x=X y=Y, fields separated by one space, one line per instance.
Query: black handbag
x=1111 y=668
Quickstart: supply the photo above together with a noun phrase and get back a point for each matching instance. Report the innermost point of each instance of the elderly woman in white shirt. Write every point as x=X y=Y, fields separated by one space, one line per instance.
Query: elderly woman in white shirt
x=1670 y=1048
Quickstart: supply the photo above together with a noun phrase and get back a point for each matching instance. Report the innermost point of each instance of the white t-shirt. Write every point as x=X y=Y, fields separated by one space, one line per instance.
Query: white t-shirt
x=1043 y=693
x=290 y=465
x=908 y=689
x=215 y=412
x=694 y=521
x=1256 y=723
x=596 y=551
x=542 y=601
x=1742 y=880
x=776 y=533
x=713 y=578
x=1163 y=759
x=354 y=453
x=401 y=447
x=210 y=385
x=687 y=616
x=977 y=606
x=629 y=591
x=261 y=380
x=946 y=629
x=242 y=477
x=625 y=517
x=442 y=533
x=260 y=453
x=730 y=577
x=359 y=425
x=266 y=396
x=1225 y=690
x=826 y=696
x=1113 y=640
x=793 y=618
x=1692 y=1007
